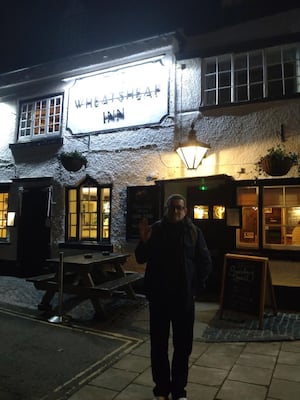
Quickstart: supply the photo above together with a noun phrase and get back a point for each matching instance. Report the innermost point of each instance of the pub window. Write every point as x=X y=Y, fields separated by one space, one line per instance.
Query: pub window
x=40 y=118
x=218 y=212
x=281 y=216
x=88 y=212
x=269 y=73
x=201 y=212
x=3 y=215
x=247 y=235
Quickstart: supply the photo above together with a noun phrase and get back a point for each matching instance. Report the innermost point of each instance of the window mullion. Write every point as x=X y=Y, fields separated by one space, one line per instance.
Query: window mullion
x=33 y=116
x=47 y=116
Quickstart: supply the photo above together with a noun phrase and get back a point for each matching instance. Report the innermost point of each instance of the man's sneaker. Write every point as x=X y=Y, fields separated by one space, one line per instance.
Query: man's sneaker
x=160 y=398
x=182 y=398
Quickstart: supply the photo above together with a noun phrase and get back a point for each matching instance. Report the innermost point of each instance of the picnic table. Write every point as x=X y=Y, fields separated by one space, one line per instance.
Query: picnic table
x=92 y=276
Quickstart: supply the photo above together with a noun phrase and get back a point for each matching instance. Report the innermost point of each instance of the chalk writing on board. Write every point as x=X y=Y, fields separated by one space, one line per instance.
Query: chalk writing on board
x=242 y=285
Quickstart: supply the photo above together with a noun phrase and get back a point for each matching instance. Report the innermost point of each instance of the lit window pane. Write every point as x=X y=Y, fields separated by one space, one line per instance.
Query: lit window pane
x=247 y=196
x=201 y=212
x=273 y=196
x=247 y=235
x=3 y=215
x=218 y=212
x=292 y=196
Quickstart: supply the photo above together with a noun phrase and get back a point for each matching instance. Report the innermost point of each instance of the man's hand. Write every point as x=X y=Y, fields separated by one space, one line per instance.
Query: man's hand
x=145 y=230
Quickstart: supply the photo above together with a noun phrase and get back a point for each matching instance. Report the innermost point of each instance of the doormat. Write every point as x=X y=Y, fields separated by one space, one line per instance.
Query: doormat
x=283 y=326
x=44 y=361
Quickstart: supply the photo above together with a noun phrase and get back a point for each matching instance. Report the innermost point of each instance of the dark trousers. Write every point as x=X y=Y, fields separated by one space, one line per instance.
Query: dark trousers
x=162 y=317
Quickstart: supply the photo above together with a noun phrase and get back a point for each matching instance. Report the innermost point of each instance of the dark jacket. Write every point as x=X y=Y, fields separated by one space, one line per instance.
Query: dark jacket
x=178 y=268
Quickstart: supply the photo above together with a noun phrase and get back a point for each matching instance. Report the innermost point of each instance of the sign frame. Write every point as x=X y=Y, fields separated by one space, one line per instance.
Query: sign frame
x=246 y=281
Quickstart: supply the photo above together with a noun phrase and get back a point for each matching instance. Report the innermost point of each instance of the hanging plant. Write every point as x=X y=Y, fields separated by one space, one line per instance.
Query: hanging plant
x=277 y=161
x=73 y=161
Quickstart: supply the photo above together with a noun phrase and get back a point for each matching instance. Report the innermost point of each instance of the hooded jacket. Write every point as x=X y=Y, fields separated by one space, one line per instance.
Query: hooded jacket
x=178 y=261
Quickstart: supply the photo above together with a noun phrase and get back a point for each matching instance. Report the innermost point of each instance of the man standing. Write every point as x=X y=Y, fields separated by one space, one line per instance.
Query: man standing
x=178 y=264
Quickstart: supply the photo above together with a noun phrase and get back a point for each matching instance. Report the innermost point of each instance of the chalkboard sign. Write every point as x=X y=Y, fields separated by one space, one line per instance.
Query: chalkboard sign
x=244 y=285
x=142 y=202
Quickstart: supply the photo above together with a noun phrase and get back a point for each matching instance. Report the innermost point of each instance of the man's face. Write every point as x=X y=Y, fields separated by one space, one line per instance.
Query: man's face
x=176 y=210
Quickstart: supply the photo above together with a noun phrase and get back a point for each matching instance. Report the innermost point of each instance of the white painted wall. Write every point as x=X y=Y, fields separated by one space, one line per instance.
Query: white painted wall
x=238 y=137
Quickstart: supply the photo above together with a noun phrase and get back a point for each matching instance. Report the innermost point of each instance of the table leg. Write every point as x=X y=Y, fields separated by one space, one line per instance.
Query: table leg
x=45 y=304
x=128 y=288
x=100 y=313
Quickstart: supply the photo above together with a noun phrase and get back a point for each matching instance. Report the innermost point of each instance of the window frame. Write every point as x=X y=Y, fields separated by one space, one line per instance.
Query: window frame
x=78 y=214
x=251 y=75
x=4 y=229
x=287 y=210
x=283 y=205
x=35 y=121
x=245 y=206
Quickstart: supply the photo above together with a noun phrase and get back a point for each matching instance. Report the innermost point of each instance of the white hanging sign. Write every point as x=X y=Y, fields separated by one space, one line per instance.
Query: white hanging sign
x=131 y=96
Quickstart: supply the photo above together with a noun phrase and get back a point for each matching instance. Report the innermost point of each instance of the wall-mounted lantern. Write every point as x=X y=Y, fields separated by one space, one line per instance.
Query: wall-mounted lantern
x=192 y=151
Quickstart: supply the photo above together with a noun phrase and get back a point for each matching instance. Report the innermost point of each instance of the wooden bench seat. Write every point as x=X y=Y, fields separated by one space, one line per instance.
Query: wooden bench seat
x=41 y=278
x=120 y=282
x=46 y=282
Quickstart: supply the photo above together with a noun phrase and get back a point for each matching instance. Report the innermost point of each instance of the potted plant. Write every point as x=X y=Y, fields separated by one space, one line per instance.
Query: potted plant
x=278 y=161
x=72 y=161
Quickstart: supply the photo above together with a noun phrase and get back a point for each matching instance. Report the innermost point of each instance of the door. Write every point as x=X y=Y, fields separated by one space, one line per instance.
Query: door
x=34 y=231
x=207 y=208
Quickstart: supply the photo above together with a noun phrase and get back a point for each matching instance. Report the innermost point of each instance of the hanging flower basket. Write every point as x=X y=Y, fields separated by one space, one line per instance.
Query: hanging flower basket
x=277 y=161
x=275 y=167
x=73 y=161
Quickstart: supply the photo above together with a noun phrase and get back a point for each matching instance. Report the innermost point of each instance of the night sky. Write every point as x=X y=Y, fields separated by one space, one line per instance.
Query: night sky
x=37 y=31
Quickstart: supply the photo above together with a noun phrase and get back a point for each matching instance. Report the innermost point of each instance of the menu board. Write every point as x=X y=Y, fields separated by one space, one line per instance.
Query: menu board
x=244 y=284
x=142 y=202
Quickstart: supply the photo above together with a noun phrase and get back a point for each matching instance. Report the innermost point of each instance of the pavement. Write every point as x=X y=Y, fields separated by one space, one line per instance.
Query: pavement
x=220 y=371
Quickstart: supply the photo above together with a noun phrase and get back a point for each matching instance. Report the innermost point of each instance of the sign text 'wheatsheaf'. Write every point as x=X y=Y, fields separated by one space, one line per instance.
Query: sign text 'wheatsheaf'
x=131 y=96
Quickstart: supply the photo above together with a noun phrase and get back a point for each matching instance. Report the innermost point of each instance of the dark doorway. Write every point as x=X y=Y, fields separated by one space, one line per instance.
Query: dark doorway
x=33 y=232
x=217 y=193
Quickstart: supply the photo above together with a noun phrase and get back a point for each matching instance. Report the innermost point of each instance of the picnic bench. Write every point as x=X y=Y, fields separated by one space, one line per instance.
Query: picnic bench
x=94 y=276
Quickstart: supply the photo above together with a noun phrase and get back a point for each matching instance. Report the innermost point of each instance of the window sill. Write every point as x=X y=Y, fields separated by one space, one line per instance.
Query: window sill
x=244 y=107
x=104 y=246
x=57 y=141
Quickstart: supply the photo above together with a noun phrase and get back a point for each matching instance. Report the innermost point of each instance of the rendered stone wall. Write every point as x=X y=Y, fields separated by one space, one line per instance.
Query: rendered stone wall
x=238 y=137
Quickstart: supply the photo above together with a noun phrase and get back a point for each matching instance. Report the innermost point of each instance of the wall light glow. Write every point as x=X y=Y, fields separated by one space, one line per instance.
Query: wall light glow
x=8 y=120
